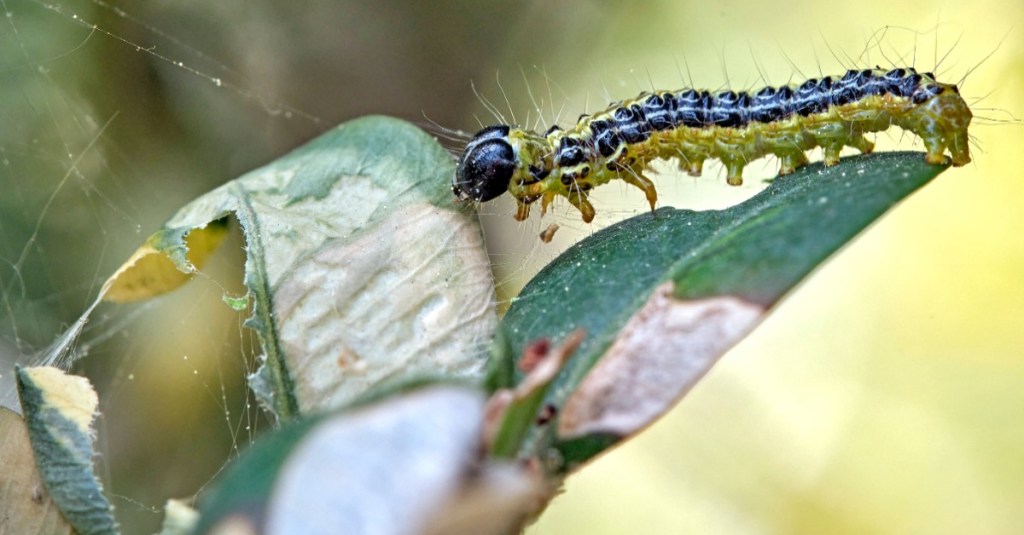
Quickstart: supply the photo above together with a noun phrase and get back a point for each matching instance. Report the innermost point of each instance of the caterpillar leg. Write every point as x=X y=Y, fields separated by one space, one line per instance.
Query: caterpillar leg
x=734 y=172
x=545 y=201
x=522 y=211
x=832 y=151
x=936 y=148
x=791 y=162
x=579 y=200
x=862 y=144
x=960 y=149
x=691 y=167
x=833 y=147
x=645 y=184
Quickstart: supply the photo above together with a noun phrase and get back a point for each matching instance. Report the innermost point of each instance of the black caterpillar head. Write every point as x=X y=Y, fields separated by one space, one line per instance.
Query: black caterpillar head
x=486 y=166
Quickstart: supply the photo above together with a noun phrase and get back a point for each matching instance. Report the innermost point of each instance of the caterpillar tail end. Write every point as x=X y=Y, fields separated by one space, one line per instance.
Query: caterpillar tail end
x=959 y=151
x=942 y=123
x=936 y=158
x=959 y=148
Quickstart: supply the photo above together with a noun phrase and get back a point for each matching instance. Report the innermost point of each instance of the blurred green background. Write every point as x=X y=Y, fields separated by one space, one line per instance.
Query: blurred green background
x=884 y=396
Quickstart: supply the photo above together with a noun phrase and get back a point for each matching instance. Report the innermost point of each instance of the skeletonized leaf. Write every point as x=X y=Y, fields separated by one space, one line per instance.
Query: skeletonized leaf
x=360 y=266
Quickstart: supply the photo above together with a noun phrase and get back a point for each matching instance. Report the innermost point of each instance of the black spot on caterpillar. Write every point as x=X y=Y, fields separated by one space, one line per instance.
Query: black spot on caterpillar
x=693 y=126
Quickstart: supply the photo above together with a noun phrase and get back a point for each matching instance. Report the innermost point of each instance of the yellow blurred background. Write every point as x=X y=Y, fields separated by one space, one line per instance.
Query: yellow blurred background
x=883 y=396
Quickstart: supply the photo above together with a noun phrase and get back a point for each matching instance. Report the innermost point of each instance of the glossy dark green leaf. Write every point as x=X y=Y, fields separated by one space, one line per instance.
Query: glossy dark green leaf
x=663 y=295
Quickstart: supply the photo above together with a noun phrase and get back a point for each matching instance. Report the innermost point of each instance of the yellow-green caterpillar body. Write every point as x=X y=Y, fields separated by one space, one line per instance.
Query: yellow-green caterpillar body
x=693 y=126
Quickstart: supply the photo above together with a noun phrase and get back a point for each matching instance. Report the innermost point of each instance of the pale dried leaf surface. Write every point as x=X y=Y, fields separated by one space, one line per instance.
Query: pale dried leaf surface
x=392 y=465
x=25 y=506
x=664 y=349
x=403 y=299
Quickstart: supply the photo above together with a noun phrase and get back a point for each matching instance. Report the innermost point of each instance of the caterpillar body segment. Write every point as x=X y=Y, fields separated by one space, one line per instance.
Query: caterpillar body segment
x=692 y=126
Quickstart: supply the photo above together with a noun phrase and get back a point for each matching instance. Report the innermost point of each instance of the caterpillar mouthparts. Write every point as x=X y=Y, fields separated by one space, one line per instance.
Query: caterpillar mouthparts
x=693 y=126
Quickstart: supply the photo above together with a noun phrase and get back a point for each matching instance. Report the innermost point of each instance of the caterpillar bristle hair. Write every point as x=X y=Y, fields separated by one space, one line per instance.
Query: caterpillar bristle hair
x=693 y=126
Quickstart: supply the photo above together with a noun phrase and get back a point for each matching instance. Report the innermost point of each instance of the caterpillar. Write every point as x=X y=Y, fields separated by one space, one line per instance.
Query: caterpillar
x=693 y=126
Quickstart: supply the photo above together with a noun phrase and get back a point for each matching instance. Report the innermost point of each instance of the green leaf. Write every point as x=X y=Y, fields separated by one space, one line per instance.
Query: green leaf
x=237 y=304
x=360 y=265
x=661 y=296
